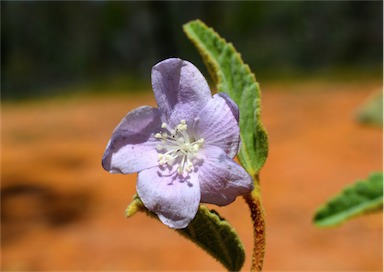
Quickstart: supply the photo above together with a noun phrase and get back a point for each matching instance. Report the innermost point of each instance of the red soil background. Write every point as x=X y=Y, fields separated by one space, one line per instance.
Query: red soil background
x=62 y=211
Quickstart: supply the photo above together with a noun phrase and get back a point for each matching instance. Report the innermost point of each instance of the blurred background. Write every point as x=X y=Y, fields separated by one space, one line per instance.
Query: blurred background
x=49 y=45
x=71 y=70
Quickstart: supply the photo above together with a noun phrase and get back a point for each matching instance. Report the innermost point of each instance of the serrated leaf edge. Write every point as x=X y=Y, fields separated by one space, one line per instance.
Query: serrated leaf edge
x=215 y=73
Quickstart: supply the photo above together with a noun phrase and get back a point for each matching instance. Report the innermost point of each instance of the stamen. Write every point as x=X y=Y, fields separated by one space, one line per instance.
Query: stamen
x=177 y=144
x=189 y=166
x=182 y=126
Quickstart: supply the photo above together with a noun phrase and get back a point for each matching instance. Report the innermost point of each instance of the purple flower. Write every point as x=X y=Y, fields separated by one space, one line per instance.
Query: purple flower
x=184 y=149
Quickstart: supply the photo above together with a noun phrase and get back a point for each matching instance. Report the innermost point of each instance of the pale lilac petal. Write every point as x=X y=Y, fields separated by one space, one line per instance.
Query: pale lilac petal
x=231 y=104
x=217 y=124
x=221 y=179
x=132 y=147
x=181 y=91
x=175 y=199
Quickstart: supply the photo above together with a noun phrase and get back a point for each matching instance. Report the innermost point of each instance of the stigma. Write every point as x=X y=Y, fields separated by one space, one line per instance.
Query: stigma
x=177 y=147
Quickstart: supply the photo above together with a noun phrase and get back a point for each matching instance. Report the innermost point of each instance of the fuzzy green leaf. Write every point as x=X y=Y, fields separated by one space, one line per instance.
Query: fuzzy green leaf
x=234 y=77
x=209 y=231
x=361 y=198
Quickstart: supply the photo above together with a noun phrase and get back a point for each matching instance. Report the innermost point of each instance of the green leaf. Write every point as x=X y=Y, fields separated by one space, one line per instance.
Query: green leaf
x=217 y=237
x=209 y=231
x=361 y=198
x=234 y=77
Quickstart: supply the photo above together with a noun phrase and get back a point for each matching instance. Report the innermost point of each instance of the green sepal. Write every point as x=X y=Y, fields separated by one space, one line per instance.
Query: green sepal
x=363 y=197
x=209 y=231
x=232 y=76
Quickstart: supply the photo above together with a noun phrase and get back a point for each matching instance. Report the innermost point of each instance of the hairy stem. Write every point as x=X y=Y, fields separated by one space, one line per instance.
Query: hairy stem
x=253 y=200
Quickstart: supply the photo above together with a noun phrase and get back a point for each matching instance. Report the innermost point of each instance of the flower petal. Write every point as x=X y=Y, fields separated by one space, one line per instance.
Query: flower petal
x=174 y=198
x=221 y=178
x=231 y=104
x=132 y=145
x=181 y=91
x=217 y=124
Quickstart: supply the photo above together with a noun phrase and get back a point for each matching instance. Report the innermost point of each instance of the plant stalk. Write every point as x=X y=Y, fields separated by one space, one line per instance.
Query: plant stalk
x=253 y=199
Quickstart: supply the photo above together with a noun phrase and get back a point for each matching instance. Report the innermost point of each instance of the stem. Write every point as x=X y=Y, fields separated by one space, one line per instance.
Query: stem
x=253 y=200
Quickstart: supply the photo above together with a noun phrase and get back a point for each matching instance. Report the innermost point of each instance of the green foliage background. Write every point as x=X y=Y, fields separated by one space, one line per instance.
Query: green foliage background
x=48 y=44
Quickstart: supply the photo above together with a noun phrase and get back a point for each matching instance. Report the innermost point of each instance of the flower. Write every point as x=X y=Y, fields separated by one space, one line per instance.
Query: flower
x=184 y=149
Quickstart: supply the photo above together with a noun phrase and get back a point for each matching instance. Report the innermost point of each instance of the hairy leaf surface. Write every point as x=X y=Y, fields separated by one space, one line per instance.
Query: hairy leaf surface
x=234 y=77
x=362 y=197
x=209 y=231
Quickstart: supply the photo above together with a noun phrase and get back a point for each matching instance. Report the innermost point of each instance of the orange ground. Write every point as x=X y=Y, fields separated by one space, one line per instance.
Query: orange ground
x=62 y=211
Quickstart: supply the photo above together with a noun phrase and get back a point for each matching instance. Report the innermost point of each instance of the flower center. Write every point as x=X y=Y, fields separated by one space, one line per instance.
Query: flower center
x=176 y=144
